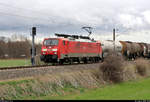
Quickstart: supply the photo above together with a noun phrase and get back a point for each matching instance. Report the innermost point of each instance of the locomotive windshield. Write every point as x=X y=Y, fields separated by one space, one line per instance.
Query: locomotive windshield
x=50 y=42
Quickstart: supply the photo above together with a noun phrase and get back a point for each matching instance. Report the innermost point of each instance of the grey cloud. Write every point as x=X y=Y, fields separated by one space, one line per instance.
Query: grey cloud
x=68 y=16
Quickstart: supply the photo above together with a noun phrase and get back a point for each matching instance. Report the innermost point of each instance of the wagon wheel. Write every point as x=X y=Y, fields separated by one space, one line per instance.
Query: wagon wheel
x=70 y=61
x=79 y=61
x=85 y=60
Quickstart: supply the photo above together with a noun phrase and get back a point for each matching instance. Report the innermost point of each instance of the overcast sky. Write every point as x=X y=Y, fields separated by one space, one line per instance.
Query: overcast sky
x=130 y=17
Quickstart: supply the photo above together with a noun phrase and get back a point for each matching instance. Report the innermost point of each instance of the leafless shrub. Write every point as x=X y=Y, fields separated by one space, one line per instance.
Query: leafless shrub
x=142 y=67
x=129 y=71
x=17 y=48
x=112 y=68
x=3 y=49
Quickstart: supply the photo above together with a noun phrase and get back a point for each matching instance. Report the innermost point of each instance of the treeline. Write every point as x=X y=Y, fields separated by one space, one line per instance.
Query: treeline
x=17 y=49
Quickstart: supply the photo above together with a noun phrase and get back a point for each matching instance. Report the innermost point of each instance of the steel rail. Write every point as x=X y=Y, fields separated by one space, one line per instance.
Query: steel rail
x=39 y=66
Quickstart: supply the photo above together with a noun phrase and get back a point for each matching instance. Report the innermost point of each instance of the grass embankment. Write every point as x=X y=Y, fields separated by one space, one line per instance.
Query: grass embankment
x=53 y=84
x=15 y=62
x=136 y=90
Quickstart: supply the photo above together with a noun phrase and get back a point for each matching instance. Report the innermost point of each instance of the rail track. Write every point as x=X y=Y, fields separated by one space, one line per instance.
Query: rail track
x=7 y=73
x=22 y=67
x=39 y=66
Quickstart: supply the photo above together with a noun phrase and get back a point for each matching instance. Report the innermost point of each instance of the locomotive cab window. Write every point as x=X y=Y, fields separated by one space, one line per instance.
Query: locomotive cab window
x=102 y=44
x=50 y=42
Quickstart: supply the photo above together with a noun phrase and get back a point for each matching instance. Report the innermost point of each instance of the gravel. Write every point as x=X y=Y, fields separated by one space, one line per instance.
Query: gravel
x=30 y=72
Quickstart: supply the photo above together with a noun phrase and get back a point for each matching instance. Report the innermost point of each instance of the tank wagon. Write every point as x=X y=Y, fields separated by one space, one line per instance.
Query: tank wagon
x=129 y=49
x=70 y=48
x=108 y=45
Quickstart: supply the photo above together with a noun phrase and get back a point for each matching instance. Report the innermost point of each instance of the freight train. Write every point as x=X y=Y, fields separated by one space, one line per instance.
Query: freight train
x=131 y=50
x=73 y=48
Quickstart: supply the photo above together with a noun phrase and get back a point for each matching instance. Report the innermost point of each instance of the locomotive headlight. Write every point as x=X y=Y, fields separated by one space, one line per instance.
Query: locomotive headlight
x=44 y=49
x=55 y=52
x=54 y=49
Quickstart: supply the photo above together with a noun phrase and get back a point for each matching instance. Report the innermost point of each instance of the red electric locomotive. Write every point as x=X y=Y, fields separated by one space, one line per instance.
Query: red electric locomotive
x=68 y=48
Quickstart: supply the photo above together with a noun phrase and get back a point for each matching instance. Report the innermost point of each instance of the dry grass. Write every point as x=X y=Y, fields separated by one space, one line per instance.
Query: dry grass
x=50 y=84
x=129 y=71
x=84 y=78
x=38 y=61
x=142 y=67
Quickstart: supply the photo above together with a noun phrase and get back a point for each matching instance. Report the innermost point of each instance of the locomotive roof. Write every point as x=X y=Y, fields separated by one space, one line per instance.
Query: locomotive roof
x=56 y=38
x=81 y=40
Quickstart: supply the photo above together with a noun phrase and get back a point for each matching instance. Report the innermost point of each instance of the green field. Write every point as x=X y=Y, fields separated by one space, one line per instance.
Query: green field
x=136 y=90
x=14 y=62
